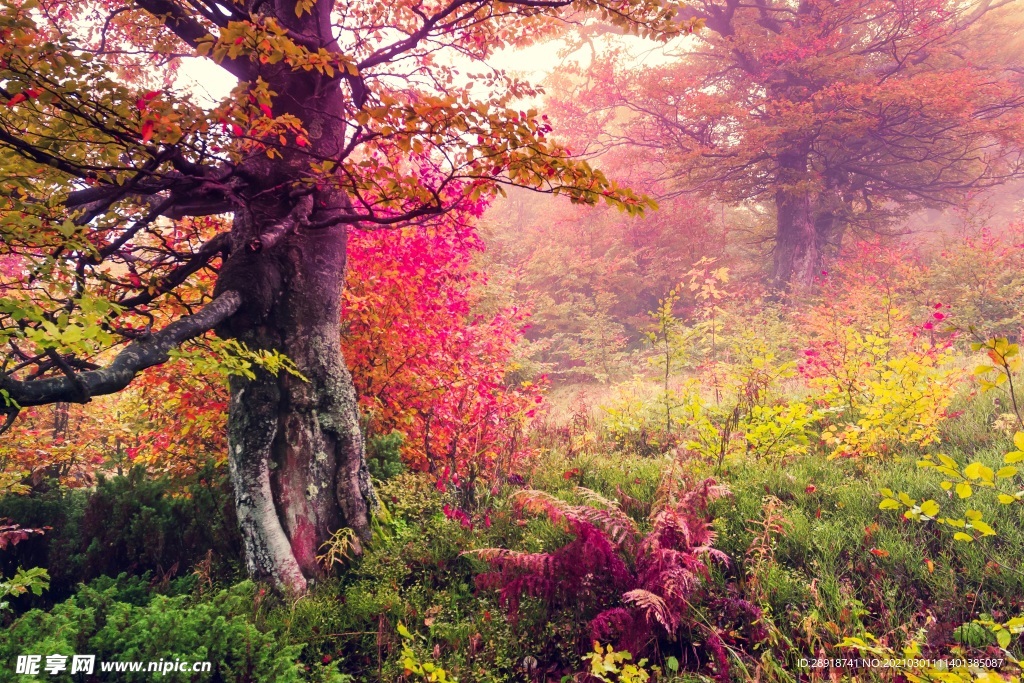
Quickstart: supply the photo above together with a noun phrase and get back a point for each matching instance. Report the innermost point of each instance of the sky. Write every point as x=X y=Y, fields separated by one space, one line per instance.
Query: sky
x=534 y=63
x=211 y=83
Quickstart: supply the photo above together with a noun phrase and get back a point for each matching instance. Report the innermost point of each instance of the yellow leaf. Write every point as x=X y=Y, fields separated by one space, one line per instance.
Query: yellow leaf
x=978 y=471
x=964 y=490
x=984 y=528
x=961 y=536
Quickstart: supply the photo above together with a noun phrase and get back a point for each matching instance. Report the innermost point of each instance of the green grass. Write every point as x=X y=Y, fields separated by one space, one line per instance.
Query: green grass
x=839 y=567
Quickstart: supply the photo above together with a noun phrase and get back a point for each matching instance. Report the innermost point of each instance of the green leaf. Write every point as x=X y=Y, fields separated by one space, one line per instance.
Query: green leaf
x=403 y=631
x=1003 y=637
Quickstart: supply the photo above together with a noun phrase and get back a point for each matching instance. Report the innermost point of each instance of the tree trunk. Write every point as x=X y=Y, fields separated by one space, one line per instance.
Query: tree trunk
x=798 y=253
x=296 y=449
x=799 y=241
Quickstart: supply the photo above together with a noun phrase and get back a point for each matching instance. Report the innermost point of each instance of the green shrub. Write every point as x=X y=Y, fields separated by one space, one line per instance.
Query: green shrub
x=131 y=524
x=384 y=455
x=411 y=572
x=98 y=622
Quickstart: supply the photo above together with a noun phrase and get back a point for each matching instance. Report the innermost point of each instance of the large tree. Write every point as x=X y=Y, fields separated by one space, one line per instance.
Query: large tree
x=118 y=187
x=829 y=114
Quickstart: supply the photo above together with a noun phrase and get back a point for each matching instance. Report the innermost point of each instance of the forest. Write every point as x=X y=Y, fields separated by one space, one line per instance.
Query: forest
x=512 y=341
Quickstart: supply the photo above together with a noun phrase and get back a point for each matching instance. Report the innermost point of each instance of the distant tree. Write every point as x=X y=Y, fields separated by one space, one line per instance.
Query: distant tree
x=837 y=114
x=590 y=275
x=118 y=187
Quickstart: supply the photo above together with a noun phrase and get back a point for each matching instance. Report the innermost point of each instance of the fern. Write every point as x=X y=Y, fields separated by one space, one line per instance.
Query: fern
x=654 y=608
x=634 y=588
x=610 y=519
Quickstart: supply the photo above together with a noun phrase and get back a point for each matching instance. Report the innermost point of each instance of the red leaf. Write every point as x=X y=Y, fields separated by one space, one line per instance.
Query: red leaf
x=147 y=130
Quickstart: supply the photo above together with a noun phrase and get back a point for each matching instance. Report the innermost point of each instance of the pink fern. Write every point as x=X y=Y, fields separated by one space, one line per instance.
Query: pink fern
x=636 y=588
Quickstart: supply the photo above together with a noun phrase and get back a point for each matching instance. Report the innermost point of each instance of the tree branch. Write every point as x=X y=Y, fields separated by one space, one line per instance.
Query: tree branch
x=135 y=358
x=218 y=245
x=182 y=23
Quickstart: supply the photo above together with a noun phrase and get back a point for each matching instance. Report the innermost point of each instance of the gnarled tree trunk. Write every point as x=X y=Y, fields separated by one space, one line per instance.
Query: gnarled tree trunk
x=296 y=451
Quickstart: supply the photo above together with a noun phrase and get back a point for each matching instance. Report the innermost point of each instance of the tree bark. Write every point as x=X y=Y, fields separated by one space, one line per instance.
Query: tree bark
x=798 y=253
x=296 y=449
x=801 y=233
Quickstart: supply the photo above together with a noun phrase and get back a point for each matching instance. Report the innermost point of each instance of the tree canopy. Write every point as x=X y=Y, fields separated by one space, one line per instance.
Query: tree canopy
x=120 y=188
x=836 y=115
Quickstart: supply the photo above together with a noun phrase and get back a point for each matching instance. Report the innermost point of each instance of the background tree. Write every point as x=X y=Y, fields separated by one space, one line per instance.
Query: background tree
x=836 y=115
x=118 y=187
x=590 y=275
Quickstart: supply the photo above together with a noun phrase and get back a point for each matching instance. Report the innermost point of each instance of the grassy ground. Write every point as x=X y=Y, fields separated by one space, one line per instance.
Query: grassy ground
x=806 y=539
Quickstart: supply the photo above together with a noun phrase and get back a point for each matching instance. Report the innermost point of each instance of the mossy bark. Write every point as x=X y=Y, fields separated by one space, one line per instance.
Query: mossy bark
x=296 y=450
